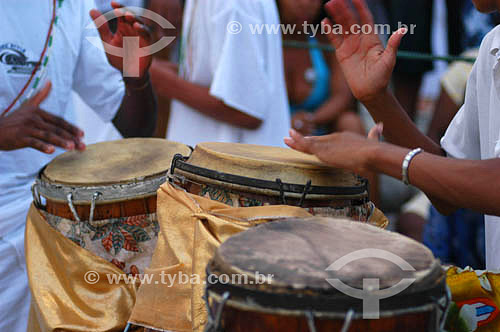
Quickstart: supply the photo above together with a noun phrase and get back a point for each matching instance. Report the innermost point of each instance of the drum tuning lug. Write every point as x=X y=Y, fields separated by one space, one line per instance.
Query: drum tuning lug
x=305 y=192
x=176 y=158
x=310 y=321
x=69 y=198
x=36 y=196
x=214 y=322
x=282 y=191
x=95 y=197
x=348 y=321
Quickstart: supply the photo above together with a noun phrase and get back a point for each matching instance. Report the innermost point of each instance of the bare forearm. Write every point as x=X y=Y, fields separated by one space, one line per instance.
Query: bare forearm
x=449 y=183
x=199 y=98
x=138 y=113
x=330 y=111
x=399 y=129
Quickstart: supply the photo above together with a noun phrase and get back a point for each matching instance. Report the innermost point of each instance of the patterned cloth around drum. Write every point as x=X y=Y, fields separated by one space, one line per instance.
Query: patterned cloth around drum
x=366 y=212
x=192 y=228
x=128 y=243
x=476 y=301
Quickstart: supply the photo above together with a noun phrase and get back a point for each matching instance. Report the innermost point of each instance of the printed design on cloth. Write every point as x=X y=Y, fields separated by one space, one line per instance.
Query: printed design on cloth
x=359 y=213
x=127 y=242
x=475 y=298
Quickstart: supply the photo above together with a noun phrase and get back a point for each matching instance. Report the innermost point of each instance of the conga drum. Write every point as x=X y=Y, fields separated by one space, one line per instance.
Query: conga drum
x=324 y=275
x=104 y=199
x=243 y=175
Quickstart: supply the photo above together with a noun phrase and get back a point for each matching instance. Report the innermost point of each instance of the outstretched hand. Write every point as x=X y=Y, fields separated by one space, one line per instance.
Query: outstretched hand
x=128 y=26
x=340 y=150
x=31 y=127
x=366 y=64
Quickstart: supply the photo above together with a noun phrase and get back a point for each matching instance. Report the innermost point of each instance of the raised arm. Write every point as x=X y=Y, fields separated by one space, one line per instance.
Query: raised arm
x=137 y=114
x=368 y=67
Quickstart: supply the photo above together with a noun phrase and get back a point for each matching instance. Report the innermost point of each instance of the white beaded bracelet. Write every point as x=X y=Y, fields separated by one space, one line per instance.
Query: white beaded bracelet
x=406 y=164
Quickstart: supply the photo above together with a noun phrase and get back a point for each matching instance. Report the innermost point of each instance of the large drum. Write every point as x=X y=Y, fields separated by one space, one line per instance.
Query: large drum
x=324 y=276
x=104 y=199
x=249 y=175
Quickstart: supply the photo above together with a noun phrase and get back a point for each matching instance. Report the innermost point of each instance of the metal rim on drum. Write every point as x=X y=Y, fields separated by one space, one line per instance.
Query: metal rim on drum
x=179 y=162
x=108 y=194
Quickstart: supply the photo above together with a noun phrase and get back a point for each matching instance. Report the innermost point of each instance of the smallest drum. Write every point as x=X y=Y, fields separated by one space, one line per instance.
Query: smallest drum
x=104 y=198
x=242 y=175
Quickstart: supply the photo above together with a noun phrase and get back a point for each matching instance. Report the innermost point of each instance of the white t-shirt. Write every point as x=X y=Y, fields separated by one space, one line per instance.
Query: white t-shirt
x=475 y=131
x=243 y=70
x=75 y=64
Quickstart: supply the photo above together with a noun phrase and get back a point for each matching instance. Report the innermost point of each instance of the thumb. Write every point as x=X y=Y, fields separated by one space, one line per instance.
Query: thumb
x=391 y=50
x=101 y=22
x=41 y=95
x=376 y=132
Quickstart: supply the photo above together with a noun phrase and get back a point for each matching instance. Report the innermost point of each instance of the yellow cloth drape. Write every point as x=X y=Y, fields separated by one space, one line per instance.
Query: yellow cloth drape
x=473 y=289
x=61 y=298
x=192 y=227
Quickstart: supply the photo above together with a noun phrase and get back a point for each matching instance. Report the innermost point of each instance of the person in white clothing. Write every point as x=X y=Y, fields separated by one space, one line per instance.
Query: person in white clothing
x=473 y=136
x=231 y=86
x=35 y=115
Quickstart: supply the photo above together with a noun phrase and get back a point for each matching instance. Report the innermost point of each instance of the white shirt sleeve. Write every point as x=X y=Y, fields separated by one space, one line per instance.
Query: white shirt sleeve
x=462 y=139
x=241 y=77
x=95 y=80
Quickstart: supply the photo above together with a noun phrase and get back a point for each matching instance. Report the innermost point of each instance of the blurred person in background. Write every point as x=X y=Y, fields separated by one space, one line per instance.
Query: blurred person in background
x=408 y=74
x=230 y=85
x=171 y=10
x=320 y=99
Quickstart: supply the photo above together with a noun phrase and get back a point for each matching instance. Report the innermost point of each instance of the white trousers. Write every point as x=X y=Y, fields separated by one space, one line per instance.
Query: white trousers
x=14 y=291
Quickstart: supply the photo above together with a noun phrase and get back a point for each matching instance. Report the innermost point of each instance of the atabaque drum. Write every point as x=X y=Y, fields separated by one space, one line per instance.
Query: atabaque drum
x=318 y=275
x=243 y=175
x=104 y=199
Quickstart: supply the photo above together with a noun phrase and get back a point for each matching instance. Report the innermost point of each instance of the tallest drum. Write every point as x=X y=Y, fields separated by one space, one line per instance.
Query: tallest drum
x=104 y=199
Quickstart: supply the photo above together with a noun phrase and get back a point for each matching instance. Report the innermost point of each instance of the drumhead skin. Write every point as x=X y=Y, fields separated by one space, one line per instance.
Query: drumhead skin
x=114 y=162
x=299 y=252
x=269 y=163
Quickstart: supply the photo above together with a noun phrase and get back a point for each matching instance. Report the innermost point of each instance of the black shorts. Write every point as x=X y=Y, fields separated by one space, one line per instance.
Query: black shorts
x=417 y=12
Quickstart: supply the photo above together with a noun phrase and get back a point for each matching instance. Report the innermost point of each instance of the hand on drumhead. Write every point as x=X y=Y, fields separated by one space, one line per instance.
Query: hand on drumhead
x=128 y=26
x=340 y=150
x=366 y=64
x=31 y=127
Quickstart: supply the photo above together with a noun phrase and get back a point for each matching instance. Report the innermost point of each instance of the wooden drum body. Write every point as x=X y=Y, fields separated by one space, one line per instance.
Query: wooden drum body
x=104 y=199
x=249 y=175
x=280 y=276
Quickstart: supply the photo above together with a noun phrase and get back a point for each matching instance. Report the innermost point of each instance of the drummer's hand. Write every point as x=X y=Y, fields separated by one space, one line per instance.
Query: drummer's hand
x=31 y=127
x=128 y=26
x=366 y=64
x=340 y=150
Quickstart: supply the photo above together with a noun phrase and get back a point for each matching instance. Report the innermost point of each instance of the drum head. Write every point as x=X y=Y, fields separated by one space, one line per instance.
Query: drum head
x=114 y=162
x=269 y=163
x=300 y=253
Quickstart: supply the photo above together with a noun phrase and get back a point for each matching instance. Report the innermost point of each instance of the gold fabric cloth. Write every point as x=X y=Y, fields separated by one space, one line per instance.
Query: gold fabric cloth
x=61 y=298
x=185 y=220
